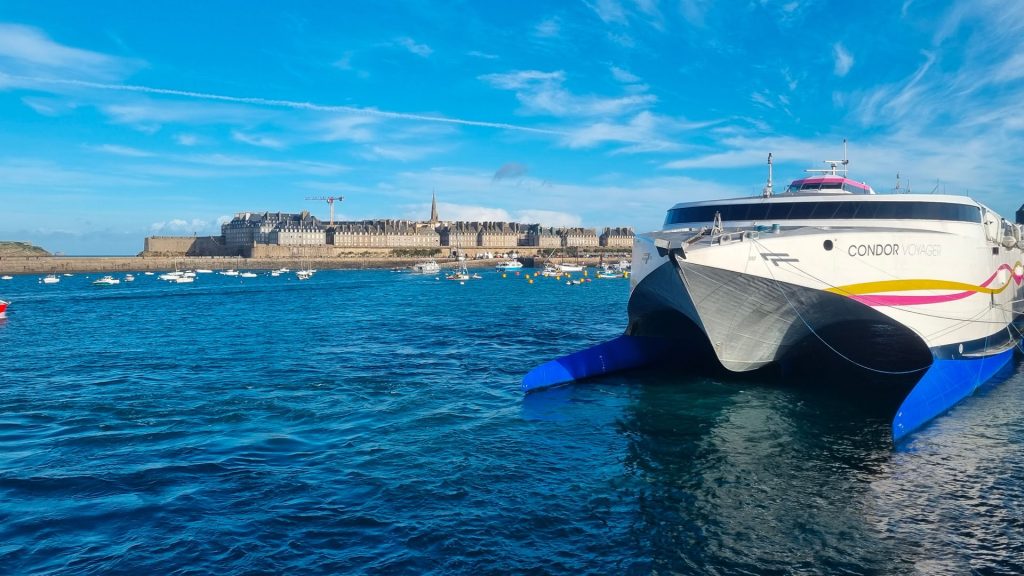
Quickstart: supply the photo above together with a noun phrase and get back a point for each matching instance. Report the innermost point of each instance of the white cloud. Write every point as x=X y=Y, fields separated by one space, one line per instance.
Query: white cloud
x=350 y=128
x=523 y=79
x=233 y=161
x=149 y=115
x=181 y=226
x=624 y=76
x=122 y=150
x=399 y=152
x=843 y=59
x=542 y=93
x=261 y=141
x=645 y=132
x=549 y=28
x=1011 y=69
x=609 y=11
x=49 y=106
x=186 y=139
x=128 y=113
x=421 y=50
x=484 y=55
x=547 y=218
x=27 y=51
x=345 y=62
x=762 y=100
x=472 y=213
x=694 y=10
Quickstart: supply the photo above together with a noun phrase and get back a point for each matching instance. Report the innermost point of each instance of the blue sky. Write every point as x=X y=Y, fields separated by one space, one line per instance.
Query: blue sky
x=127 y=119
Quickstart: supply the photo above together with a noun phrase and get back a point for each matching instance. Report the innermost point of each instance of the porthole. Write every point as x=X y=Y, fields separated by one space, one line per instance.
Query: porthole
x=828 y=244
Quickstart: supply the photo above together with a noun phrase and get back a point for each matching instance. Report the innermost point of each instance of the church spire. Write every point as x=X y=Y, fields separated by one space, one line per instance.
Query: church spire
x=433 y=209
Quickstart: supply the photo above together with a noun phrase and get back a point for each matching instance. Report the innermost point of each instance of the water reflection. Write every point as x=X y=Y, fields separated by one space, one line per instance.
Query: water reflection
x=731 y=476
x=953 y=496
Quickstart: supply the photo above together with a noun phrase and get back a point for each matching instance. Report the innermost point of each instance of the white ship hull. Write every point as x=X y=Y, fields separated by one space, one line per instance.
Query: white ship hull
x=921 y=293
x=756 y=296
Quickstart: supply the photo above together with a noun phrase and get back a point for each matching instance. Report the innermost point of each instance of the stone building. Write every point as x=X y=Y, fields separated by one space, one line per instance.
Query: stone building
x=499 y=235
x=297 y=234
x=383 y=234
x=461 y=234
x=249 y=228
x=541 y=237
x=581 y=237
x=617 y=237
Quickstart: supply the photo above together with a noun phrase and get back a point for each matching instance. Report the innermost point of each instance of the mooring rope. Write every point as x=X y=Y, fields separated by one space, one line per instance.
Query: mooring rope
x=807 y=324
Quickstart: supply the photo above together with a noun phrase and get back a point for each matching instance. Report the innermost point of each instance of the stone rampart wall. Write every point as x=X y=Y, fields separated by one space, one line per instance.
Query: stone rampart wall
x=187 y=246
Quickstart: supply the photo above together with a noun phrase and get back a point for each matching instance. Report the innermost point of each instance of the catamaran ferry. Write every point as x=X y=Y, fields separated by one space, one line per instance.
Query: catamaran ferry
x=925 y=287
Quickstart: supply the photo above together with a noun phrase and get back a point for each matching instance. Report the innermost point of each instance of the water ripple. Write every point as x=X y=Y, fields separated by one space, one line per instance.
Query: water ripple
x=370 y=423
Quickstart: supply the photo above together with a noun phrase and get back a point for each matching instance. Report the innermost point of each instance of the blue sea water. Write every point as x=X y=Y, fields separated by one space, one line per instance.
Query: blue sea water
x=370 y=422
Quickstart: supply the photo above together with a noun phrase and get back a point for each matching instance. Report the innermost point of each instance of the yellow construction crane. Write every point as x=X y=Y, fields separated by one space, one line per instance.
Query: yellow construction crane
x=330 y=201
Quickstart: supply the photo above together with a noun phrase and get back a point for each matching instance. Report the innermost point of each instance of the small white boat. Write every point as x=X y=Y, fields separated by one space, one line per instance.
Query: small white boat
x=129 y=278
x=608 y=272
x=229 y=272
x=508 y=265
x=106 y=281
x=426 y=267
x=550 y=271
x=6 y=277
x=247 y=275
x=68 y=275
x=50 y=279
x=148 y=273
x=170 y=276
x=204 y=271
x=461 y=274
x=570 y=267
x=304 y=274
x=275 y=273
x=183 y=280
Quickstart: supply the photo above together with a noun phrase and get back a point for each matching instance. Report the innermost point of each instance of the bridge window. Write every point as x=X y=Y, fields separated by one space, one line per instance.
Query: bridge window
x=847 y=210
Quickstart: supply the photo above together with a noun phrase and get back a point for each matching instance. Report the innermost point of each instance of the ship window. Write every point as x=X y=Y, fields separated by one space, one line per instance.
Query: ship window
x=831 y=185
x=858 y=210
x=801 y=211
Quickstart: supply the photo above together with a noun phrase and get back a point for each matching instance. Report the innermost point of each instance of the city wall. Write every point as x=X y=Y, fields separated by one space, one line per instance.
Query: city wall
x=186 y=246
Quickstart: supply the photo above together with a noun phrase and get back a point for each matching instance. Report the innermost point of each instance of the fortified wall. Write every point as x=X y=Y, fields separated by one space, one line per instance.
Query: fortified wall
x=187 y=246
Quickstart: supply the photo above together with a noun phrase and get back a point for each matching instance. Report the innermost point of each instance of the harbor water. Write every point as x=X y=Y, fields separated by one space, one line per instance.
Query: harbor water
x=370 y=422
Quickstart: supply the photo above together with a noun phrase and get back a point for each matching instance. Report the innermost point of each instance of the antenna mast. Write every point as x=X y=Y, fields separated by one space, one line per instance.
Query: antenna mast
x=834 y=165
x=767 y=192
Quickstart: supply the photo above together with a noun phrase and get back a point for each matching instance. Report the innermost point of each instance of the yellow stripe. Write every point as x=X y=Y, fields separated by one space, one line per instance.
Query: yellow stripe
x=907 y=285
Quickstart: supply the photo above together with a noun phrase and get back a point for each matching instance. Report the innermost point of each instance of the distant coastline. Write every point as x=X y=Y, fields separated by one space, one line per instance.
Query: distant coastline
x=16 y=265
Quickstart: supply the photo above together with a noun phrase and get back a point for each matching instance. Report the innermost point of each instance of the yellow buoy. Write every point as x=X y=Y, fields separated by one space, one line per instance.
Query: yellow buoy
x=530 y=280
x=503 y=275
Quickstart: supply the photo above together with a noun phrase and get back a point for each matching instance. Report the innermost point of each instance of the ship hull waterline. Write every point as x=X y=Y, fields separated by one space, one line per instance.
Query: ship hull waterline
x=664 y=319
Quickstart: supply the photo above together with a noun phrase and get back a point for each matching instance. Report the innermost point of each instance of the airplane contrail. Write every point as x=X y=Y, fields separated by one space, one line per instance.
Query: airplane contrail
x=283 y=104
